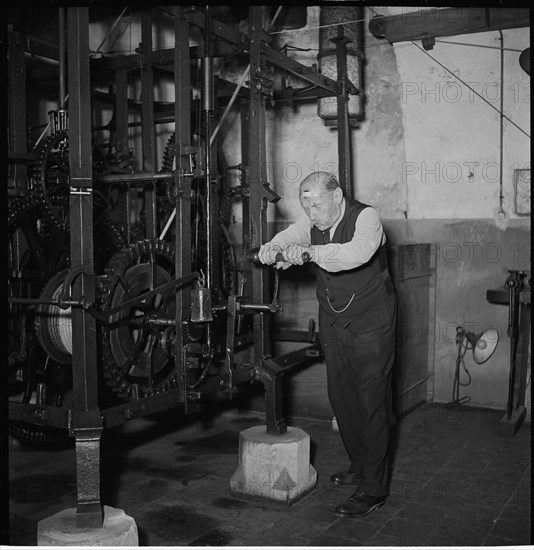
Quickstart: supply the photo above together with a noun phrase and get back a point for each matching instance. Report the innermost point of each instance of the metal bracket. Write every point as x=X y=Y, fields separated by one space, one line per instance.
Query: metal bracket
x=270 y=375
x=194 y=162
x=271 y=196
x=65 y=296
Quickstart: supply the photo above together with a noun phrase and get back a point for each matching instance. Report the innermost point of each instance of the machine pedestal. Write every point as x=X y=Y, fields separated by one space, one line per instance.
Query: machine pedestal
x=60 y=529
x=510 y=426
x=276 y=467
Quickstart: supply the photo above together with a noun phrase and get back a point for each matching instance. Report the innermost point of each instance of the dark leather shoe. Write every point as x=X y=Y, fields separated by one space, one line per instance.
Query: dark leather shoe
x=345 y=478
x=358 y=505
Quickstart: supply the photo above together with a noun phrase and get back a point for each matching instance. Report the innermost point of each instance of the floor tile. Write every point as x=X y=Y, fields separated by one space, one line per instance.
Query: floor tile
x=456 y=481
x=469 y=530
x=355 y=530
x=517 y=530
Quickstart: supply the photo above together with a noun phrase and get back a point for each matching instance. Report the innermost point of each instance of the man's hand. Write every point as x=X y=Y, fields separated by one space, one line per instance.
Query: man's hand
x=294 y=253
x=267 y=255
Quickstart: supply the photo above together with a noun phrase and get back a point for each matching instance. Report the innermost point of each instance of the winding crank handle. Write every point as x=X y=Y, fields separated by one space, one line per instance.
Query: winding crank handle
x=253 y=256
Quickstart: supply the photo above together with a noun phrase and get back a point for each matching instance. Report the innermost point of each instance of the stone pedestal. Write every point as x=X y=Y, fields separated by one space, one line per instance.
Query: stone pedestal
x=276 y=467
x=60 y=529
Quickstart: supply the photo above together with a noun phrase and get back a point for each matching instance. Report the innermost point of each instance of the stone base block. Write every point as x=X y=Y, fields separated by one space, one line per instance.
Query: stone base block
x=276 y=467
x=60 y=529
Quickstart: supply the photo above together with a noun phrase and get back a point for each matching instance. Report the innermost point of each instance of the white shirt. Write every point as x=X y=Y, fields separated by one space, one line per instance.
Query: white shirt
x=368 y=237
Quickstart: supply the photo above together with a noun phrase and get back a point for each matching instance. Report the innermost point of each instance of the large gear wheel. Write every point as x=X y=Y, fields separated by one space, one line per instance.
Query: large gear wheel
x=38 y=257
x=137 y=361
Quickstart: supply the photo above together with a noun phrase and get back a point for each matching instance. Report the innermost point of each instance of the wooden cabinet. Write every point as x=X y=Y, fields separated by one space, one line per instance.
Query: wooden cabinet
x=413 y=269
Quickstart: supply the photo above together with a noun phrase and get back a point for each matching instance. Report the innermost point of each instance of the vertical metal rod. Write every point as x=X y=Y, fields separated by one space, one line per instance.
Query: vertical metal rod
x=245 y=205
x=182 y=187
x=513 y=326
x=121 y=142
x=148 y=128
x=86 y=423
x=207 y=108
x=501 y=130
x=61 y=53
x=276 y=423
x=256 y=176
x=343 y=127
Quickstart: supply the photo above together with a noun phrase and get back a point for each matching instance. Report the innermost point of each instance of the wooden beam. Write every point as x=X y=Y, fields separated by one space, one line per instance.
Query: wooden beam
x=446 y=22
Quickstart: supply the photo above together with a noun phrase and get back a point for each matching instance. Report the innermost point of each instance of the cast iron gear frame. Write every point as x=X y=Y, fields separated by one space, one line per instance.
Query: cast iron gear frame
x=227 y=284
x=151 y=390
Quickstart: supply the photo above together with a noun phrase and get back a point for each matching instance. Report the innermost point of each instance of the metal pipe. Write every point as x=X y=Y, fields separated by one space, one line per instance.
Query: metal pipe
x=207 y=81
x=139 y=177
x=502 y=213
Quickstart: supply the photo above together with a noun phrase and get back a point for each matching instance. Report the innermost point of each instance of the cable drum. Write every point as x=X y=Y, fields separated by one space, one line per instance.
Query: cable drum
x=53 y=324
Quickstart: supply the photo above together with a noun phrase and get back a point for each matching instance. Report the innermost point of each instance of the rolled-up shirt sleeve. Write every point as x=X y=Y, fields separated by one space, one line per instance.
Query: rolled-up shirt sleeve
x=297 y=233
x=368 y=237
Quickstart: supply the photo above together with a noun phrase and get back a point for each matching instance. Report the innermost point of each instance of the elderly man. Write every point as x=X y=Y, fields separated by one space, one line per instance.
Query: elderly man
x=357 y=322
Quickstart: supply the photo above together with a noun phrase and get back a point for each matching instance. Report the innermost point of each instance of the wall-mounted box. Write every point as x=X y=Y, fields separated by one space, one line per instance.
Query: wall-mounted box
x=522 y=191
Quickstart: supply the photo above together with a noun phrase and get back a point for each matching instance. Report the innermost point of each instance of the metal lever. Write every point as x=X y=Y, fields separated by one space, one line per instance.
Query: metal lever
x=253 y=256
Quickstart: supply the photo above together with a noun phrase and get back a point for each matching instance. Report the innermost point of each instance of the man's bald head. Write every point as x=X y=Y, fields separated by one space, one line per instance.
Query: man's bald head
x=319 y=180
x=321 y=197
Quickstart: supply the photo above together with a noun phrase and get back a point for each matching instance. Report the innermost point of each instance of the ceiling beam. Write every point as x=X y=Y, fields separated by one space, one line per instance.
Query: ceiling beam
x=428 y=24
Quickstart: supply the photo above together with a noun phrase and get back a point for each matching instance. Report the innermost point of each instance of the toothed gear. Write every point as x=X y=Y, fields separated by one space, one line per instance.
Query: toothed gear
x=132 y=354
x=49 y=178
x=50 y=174
x=41 y=435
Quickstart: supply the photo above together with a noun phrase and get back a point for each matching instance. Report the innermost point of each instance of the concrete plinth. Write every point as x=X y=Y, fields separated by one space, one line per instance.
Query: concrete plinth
x=276 y=467
x=60 y=529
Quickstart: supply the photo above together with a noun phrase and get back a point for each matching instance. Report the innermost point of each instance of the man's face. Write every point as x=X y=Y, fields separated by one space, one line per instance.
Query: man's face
x=320 y=205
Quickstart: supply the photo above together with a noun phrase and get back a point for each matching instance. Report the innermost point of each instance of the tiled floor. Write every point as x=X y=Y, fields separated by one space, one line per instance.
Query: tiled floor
x=457 y=481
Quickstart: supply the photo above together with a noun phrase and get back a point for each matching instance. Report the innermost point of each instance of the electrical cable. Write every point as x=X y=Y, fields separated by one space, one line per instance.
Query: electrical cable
x=472 y=89
x=304 y=29
x=463 y=346
x=477 y=46
x=502 y=213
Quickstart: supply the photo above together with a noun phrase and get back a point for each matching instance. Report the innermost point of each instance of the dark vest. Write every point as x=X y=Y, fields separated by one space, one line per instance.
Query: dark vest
x=369 y=283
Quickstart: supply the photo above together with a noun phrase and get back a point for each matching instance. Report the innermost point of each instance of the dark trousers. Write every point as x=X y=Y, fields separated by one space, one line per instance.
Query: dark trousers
x=359 y=358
